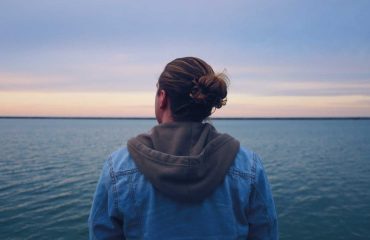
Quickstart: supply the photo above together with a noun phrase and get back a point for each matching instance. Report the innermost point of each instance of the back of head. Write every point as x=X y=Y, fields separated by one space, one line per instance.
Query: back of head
x=193 y=88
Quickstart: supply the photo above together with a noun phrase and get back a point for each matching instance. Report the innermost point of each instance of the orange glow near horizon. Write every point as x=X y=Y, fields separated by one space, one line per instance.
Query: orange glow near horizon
x=141 y=104
x=70 y=104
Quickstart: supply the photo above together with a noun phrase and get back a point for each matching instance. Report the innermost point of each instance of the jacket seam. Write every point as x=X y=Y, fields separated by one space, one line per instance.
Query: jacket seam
x=113 y=179
x=241 y=174
x=127 y=172
x=254 y=168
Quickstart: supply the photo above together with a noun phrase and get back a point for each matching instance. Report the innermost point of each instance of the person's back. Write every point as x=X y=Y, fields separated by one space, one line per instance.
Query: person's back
x=183 y=180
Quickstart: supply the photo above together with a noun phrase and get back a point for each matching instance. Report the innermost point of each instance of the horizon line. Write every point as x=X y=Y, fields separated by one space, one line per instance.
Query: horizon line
x=211 y=118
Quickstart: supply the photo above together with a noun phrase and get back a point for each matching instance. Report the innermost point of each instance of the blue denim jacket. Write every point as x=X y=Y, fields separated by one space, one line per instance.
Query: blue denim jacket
x=127 y=206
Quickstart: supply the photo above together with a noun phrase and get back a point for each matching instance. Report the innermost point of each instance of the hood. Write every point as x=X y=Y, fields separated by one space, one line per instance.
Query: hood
x=184 y=160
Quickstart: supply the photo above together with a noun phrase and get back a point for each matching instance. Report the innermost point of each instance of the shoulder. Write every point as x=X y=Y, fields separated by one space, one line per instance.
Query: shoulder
x=121 y=161
x=247 y=163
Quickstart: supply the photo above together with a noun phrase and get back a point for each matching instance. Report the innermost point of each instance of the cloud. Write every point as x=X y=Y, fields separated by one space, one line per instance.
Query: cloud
x=117 y=70
x=289 y=49
x=315 y=88
x=79 y=70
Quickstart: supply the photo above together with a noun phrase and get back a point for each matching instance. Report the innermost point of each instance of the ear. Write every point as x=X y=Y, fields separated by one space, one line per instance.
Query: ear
x=163 y=99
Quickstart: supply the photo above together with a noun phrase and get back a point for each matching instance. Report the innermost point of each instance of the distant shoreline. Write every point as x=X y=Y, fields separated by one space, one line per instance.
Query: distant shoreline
x=216 y=118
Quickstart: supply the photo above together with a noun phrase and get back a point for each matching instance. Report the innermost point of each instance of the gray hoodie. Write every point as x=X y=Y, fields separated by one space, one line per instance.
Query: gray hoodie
x=184 y=160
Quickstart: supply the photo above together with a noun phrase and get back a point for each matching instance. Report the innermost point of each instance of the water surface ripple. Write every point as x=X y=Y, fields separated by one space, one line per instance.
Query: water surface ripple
x=319 y=172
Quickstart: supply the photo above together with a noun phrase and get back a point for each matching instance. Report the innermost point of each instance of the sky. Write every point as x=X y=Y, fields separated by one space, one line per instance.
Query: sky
x=103 y=58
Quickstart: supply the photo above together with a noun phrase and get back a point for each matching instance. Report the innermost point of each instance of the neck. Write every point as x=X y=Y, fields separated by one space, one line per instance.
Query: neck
x=166 y=118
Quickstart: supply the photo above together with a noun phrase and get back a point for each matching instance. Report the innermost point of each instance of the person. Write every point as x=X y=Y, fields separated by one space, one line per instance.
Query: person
x=183 y=179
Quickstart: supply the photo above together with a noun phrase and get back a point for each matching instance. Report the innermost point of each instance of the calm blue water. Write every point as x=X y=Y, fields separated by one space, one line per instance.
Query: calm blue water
x=319 y=172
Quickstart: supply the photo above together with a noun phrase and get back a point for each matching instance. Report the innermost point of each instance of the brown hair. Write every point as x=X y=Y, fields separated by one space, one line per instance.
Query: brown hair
x=193 y=88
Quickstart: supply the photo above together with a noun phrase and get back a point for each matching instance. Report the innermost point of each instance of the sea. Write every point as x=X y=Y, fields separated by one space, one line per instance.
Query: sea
x=319 y=171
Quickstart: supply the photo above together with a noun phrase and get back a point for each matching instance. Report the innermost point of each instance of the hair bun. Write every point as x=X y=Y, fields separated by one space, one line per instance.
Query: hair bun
x=210 y=90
